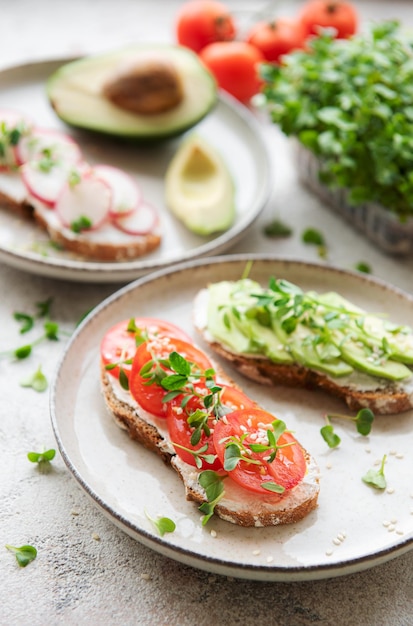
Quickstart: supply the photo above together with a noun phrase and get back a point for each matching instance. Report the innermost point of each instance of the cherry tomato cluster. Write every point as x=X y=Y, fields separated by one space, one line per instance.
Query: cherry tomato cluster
x=174 y=381
x=208 y=28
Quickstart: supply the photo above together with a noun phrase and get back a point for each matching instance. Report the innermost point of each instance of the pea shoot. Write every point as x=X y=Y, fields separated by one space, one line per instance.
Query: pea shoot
x=36 y=381
x=212 y=482
x=162 y=524
x=42 y=457
x=363 y=421
x=313 y=237
x=277 y=228
x=24 y=554
x=376 y=478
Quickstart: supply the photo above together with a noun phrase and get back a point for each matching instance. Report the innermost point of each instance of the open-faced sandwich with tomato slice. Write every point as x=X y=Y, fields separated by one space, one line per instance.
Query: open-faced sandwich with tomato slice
x=235 y=459
x=96 y=211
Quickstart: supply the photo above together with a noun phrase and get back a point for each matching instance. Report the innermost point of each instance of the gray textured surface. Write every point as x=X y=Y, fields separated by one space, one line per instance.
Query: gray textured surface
x=88 y=571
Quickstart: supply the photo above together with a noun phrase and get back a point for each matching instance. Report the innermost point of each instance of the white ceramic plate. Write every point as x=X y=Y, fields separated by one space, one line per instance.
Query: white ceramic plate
x=354 y=526
x=230 y=127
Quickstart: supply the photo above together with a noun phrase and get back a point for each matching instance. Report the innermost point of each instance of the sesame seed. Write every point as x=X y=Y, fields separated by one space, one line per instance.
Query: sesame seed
x=256 y=552
x=393 y=520
x=96 y=537
x=213 y=533
x=386 y=523
x=368 y=450
x=145 y=576
x=399 y=455
x=341 y=537
x=391 y=528
x=270 y=559
x=328 y=466
x=336 y=541
x=329 y=552
x=399 y=531
x=74 y=512
x=390 y=490
x=392 y=452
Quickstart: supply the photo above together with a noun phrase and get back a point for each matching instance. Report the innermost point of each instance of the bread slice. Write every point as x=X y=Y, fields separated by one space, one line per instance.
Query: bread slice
x=359 y=391
x=238 y=505
x=104 y=244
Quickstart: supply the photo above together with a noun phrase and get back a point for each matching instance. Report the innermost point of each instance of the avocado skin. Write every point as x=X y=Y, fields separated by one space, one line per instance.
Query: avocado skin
x=73 y=91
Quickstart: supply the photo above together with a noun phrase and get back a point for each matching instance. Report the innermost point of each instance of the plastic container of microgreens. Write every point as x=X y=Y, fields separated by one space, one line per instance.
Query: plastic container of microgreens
x=377 y=223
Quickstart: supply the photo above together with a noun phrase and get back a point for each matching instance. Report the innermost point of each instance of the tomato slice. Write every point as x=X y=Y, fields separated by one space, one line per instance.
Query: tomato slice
x=181 y=432
x=119 y=344
x=150 y=396
x=288 y=467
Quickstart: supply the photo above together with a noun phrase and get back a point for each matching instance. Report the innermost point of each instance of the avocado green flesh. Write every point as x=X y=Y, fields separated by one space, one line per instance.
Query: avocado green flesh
x=75 y=93
x=234 y=320
x=199 y=189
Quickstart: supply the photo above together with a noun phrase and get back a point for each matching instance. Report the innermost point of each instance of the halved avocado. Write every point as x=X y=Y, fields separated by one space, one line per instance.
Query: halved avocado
x=89 y=93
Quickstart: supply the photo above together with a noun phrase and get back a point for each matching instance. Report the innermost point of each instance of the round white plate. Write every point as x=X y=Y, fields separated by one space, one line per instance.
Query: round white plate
x=230 y=127
x=354 y=526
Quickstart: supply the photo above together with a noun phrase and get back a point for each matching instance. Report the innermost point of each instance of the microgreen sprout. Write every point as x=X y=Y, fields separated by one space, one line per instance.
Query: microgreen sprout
x=82 y=223
x=277 y=228
x=199 y=454
x=313 y=237
x=42 y=458
x=363 y=421
x=363 y=267
x=212 y=482
x=24 y=554
x=36 y=381
x=376 y=478
x=162 y=524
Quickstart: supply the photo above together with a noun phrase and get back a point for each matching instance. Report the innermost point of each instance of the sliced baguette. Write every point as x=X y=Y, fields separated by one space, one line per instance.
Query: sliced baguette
x=238 y=506
x=382 y=396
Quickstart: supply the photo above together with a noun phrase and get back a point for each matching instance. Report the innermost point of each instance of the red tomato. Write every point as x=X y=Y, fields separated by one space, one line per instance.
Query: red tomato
x=202 y=22
x=276 y=38
x=288 y=467
x=119 y=344
x=337 y=14
x=235 y=66
x=150 y=396
x=180 y=431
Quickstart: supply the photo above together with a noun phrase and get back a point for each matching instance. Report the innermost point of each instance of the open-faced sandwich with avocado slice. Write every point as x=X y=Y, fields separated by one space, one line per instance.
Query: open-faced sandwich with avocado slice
x=281 y=335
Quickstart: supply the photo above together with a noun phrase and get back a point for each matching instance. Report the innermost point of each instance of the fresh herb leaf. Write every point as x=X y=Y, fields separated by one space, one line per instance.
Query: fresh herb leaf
x=82 y=223
x=23 y=352
x=364 y=420
x=277 y=228
x=274 y=487
x=363 y=267
x=376 y=478
x=26 y=321
x=24 y=555
x=162 y=524
x=36 y=381
x=329 y=436
x=41 y=457
x=214 y=490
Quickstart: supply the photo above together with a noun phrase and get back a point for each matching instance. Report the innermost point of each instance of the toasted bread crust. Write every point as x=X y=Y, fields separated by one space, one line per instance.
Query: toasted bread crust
x=269 y=510
x=81 y=244
x=381 y=401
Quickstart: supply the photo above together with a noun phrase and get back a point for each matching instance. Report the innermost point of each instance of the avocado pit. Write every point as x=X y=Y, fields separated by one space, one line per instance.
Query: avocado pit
x=145 y=86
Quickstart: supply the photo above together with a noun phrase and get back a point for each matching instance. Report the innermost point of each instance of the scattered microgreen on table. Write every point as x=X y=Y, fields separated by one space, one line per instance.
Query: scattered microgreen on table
x=24 y=554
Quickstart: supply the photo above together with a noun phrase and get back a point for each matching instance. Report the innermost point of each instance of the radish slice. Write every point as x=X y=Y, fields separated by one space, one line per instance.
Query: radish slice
x=46 y=184
x=141 y=221
x=84 y=205
x=13 y=125
x=47 y=143
x=127 y=195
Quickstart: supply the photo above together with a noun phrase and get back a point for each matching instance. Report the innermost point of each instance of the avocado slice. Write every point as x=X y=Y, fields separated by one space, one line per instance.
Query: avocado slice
x=199 y=189
x=363 y=358
x=78 y=91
